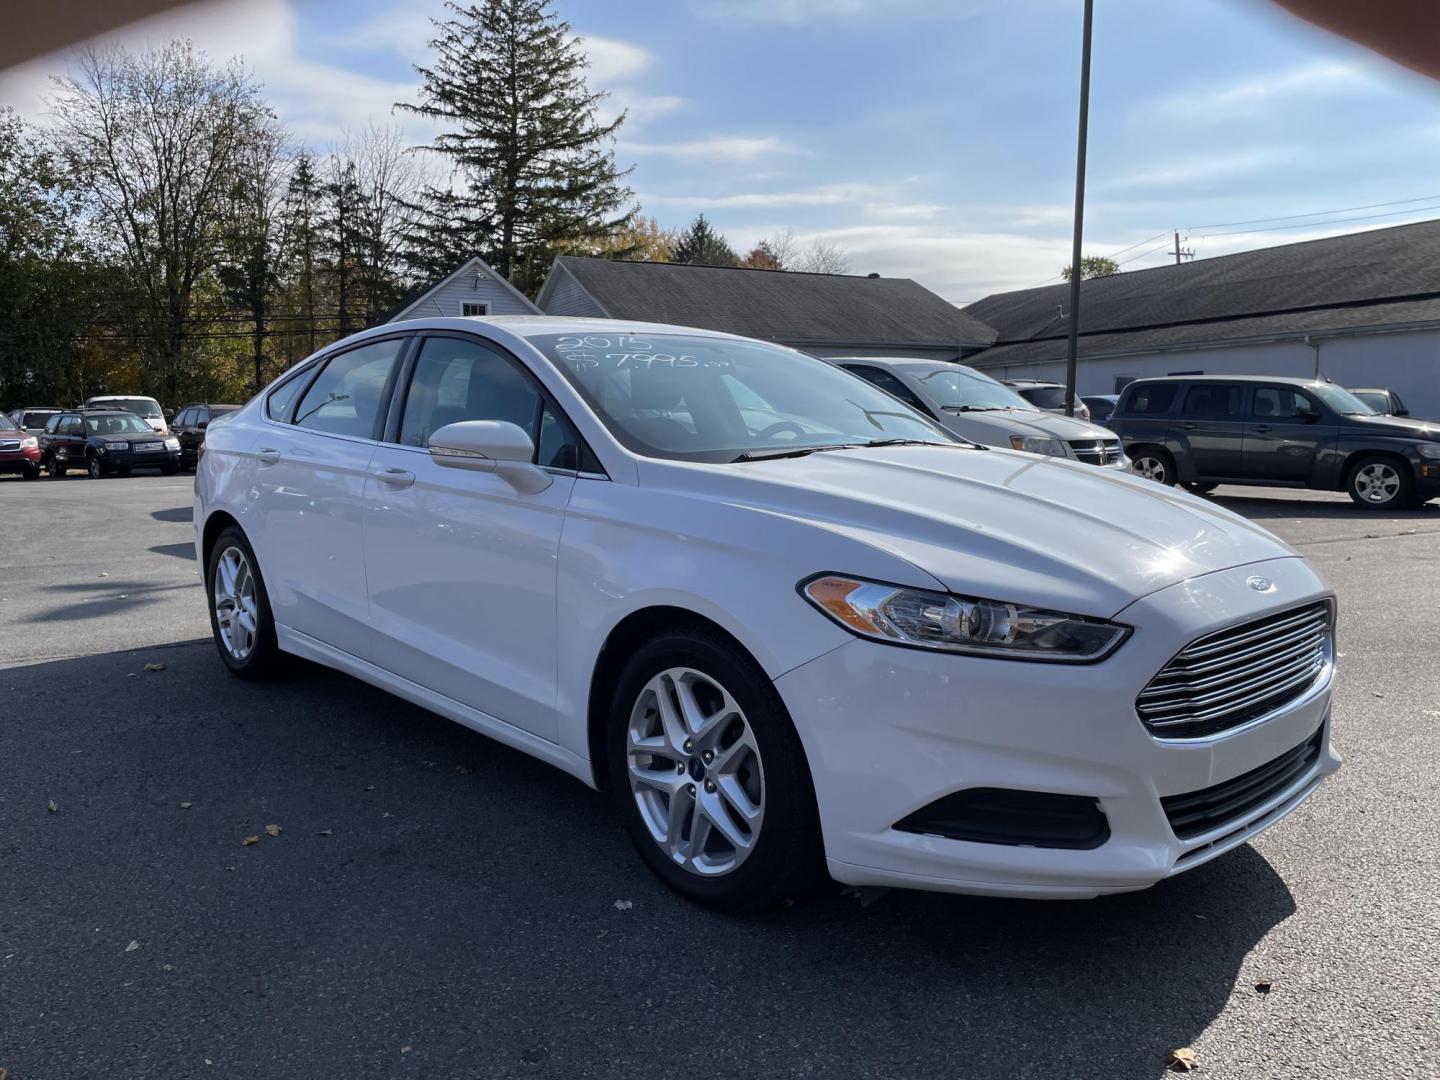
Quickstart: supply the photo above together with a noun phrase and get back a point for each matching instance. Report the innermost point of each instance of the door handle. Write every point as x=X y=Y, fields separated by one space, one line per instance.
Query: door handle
x=395 y=477
x=268 y=456
x=1262 y=427
x=1189 y=427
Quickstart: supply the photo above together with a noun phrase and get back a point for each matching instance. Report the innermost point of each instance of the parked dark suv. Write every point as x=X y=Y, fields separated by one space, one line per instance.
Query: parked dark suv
x=1201 y=431
x=189 y=427
x=106 y=442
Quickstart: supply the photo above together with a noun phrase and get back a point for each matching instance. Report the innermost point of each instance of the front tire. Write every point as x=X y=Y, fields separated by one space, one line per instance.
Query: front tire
x=31 y=472
x=240 y=617
x=1201 y=488
x=94 y=467
x=709 y=775
x=1154 y=464
x=1380 y=483
x=57 y=468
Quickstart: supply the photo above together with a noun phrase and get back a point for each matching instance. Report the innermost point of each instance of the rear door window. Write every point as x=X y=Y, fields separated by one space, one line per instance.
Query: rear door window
x=1281 y=403
x=347 y=397
x=1151 y=399
x=887 y=382
x=1214 y=399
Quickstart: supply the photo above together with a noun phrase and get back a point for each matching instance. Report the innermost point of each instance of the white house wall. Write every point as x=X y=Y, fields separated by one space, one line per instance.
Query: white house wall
x=446 y=300
x=1407 y=362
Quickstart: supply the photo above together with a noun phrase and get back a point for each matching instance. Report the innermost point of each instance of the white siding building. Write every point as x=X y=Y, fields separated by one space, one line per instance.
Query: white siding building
x=1362 y=310
x=471 y=289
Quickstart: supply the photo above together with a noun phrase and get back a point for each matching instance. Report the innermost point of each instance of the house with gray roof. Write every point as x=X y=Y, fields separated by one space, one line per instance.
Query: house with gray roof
x=472 y=288
x=1361 y=309
x=822 y=314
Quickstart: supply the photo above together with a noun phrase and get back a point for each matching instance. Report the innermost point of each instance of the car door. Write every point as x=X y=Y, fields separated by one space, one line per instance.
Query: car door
x=1284 y=433
x=311 y=461
x=1212 y=423
x=461 y=566
x=68 y=443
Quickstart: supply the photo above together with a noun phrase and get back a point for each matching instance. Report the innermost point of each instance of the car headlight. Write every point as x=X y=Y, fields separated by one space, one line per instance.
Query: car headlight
x=172 y=443
x=1038 y=444
x=1429 y=449
x=32 y=443
x=962 y=624
x=114 y=446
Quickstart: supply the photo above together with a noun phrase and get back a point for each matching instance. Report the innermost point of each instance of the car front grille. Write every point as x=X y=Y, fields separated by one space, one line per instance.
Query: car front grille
x=1198 y=812
x=9 y=444
x=1233 y=676
x=1097 y=451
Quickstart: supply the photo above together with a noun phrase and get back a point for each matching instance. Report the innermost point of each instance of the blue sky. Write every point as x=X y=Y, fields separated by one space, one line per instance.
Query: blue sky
x=931 y=139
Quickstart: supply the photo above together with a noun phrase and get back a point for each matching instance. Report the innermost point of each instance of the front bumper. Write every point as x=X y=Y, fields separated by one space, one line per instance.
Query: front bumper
x=889 y=730
x=1427 y=479
x=149 y=459
x=20 y=461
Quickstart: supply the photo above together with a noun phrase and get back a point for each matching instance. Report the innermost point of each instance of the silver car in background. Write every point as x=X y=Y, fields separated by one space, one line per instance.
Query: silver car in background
x=977 y=407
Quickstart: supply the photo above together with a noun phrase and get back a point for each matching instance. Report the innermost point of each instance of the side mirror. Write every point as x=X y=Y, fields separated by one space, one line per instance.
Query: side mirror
x=1307 y=416
x=203 y=424
x=1402 y=411
x=490 y=446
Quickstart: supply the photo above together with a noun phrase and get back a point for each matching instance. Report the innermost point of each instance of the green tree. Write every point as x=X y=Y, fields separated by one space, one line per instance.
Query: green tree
x=300 y=245
x=701 y=245
x=152 y=140
x=534 y=166
x=342 y=238
x=1093 y=266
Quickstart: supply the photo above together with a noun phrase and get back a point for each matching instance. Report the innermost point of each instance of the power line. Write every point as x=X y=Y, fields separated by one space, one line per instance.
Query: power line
x=1132 y=247
x=1313 y=213
x=1322 y=224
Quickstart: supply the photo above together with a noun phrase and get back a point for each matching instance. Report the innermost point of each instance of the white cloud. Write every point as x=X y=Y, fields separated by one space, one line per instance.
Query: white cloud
x=1193 y=171
x=613 y=61
x=874 y=200
x=1322 y=78
x=798 y=12
x=714 y=148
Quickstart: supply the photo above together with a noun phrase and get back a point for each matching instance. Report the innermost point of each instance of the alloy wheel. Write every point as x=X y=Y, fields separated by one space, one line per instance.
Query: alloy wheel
x=1151 y=468
x=695 y=772
x=1377 y=482
x=236 y=608
x=94 y=468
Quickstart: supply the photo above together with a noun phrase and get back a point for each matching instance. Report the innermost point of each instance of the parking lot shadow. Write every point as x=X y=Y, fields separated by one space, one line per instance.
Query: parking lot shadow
x=433 y=900
x=178 y=513
x=1261 y=507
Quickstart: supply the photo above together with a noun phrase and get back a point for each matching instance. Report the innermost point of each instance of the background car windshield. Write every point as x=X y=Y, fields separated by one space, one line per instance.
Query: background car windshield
x=712 y=399
x=1340 y=399
x=6 y=424
x=955 y=389
x=121 y=424
x=1045 y=397
x=138 y=405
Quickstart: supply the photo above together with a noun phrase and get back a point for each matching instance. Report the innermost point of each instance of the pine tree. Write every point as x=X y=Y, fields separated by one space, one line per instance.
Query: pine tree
x=301 y=231
x=535 y=168
x=342 y=237
x=701 y=245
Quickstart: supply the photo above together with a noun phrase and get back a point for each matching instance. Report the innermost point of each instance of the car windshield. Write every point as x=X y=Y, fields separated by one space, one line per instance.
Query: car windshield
x=36 y=417
x=1377 y=401
x=1044 y=397
x=6 y=424
x=963 y=391
x=1340 y=399
x=117 y=424
x=694 y=398
x=140 y=406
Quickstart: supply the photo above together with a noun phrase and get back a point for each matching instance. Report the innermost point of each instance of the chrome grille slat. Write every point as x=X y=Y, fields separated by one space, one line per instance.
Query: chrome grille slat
x=1232 y=676
x=1176 y=670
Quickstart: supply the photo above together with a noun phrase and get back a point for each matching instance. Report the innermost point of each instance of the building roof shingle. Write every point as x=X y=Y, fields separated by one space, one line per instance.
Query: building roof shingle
x=1368 y=268
x=778 y=305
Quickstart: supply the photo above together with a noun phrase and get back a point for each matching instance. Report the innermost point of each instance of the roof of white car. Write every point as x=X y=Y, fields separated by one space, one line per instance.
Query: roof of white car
x=535 y=325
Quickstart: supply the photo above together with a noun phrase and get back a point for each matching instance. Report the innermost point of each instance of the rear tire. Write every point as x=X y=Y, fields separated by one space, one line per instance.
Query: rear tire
x=240 y=618
x=31 y=472
x=1201 y=488
x=723 y=811
x=1377 y=482
x=1154 y=464
x=169 y=470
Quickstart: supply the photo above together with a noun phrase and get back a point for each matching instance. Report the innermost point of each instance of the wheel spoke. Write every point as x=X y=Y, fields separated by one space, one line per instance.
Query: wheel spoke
x=670 y=720
x=680 y=812
x=662 y=780
x=714 y=812
x=739 y=800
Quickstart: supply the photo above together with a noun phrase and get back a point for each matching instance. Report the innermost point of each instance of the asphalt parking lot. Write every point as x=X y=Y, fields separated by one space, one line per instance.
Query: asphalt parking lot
x=438 y=906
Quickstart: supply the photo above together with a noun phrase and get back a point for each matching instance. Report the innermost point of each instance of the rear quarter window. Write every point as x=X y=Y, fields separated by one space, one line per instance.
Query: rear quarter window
x=1148 y=400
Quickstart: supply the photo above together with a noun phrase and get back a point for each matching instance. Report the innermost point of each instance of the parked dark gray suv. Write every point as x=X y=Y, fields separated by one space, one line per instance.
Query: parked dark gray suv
x=1201 y=431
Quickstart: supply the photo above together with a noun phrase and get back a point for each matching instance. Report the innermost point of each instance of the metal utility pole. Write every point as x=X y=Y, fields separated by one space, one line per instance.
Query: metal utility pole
x=1180 y=252
x=1074 y=345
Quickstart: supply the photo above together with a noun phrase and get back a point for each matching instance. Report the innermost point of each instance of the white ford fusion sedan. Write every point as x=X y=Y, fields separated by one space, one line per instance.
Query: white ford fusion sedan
x=789 y=623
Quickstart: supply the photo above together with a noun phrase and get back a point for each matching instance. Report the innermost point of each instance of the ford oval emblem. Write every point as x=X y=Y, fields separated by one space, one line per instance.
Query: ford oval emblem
x=1260 y=584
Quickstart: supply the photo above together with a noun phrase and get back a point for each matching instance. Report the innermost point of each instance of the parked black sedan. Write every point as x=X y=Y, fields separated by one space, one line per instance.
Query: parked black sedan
x=1201 y=431
x=189 y=427
x=106 y=443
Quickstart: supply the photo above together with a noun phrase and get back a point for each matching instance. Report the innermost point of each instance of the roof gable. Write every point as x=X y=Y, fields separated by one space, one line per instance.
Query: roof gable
x=413 y=306
x=777 y=305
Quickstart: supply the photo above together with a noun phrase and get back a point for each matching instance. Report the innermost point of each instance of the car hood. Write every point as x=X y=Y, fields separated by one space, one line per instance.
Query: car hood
x=128 y=436
x=1400 y=426
x=994 y=427
x=1005 y=525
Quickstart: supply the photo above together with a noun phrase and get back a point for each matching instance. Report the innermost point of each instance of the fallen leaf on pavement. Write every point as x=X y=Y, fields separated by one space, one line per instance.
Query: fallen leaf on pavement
x=1183 y=1059
x=404 y=1049
x=186 y=805
x=327 y=832
x=104 y=573
x=250 y=841
x=623 y=905
x=52 y=806
x=1262 y=987
x=154 y=667
x=272 y=830
x=132 y=946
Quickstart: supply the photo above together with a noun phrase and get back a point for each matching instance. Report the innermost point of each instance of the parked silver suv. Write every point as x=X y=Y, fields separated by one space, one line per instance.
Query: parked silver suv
x=976 y=407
